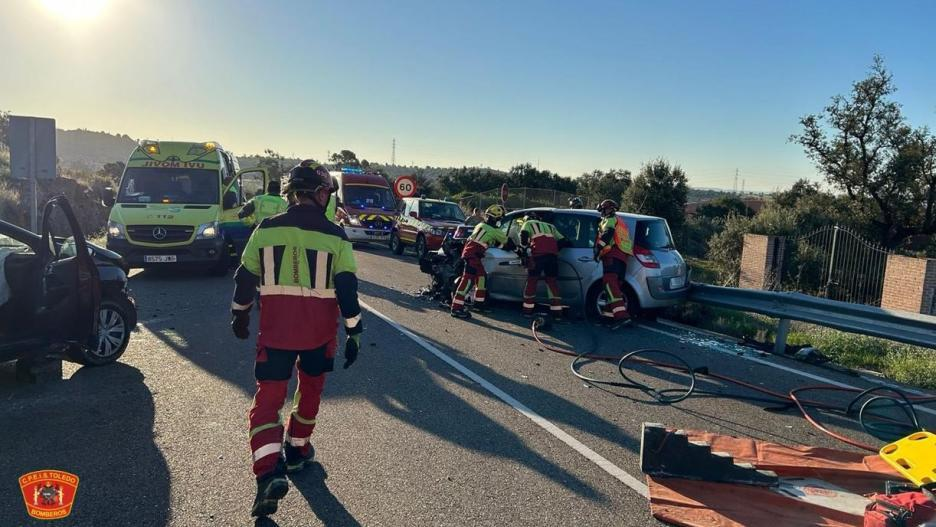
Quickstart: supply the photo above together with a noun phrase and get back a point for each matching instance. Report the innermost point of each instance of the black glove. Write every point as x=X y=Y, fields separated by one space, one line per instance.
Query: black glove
x=352 y=345
x=240 y=324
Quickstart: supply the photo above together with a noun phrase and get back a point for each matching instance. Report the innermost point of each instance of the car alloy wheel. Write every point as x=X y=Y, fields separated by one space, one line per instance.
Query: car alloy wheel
x=112 y=331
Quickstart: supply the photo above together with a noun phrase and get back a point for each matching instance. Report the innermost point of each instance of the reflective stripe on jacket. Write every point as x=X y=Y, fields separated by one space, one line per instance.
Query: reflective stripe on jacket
x=482 y=237
x=541 y=237
x=305 y=270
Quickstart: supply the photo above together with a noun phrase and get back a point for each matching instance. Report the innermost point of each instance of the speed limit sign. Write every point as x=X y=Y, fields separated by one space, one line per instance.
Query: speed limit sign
x=405 y=186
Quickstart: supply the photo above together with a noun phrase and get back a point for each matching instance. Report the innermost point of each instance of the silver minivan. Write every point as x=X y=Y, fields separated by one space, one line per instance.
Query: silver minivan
x=657 y=275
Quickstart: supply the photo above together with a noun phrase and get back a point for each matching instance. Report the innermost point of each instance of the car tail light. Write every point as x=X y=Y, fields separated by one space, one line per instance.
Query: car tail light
x=646 y=257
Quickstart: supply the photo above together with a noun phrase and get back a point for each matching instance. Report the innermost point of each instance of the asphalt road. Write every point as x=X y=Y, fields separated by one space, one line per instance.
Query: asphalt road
x=441 y=421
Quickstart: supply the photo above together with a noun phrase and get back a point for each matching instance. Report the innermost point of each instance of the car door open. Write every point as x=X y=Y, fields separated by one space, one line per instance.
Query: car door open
x=70 y=292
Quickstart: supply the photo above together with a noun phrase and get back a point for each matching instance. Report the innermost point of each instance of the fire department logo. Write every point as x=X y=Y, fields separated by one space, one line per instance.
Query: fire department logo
x=49 y=494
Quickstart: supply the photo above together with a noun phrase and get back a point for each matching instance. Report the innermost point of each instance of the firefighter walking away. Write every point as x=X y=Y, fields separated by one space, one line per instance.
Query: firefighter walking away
x=484 y=235
x=305 y=270
x=540 y=243
x=612 y=248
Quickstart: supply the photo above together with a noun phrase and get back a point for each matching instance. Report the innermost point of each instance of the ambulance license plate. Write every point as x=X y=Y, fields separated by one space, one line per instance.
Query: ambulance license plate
x=162 y=258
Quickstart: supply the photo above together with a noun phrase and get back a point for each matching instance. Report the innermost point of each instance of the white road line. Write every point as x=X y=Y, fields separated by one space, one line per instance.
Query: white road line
x=602 y=462
x=784 y=368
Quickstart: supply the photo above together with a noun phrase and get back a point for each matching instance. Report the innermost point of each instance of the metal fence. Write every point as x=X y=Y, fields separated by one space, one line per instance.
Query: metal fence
x=517 y=198
x=836 y=263
x=911 y=328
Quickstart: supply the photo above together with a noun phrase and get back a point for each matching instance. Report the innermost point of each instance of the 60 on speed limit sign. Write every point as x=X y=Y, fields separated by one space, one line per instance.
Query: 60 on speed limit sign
x=405 y=187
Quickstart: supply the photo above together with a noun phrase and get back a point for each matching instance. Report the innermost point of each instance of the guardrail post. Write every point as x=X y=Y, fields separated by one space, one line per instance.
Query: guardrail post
x=783 y=328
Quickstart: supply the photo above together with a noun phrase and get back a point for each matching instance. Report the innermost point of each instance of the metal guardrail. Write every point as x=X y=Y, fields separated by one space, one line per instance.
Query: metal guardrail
x=910 y=328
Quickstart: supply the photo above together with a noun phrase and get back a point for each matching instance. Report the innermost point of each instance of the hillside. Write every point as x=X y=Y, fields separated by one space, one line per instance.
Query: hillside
x=88 y=150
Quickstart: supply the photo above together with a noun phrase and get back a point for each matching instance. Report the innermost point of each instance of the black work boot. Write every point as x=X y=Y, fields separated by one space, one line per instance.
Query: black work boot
x=461 y=313
x=295 y=461
x=271 y=488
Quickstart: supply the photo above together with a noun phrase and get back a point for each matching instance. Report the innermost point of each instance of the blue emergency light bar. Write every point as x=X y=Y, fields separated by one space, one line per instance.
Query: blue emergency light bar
x=352 y=170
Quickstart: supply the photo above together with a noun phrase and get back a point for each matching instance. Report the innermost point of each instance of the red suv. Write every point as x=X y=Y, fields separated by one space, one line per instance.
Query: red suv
x=423 y=224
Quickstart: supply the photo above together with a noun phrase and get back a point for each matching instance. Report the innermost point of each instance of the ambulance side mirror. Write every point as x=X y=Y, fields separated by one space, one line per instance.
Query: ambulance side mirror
x=413 y=214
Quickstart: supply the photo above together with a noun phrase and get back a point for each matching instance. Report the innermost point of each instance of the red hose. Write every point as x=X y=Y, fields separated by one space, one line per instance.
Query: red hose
x=791 y=397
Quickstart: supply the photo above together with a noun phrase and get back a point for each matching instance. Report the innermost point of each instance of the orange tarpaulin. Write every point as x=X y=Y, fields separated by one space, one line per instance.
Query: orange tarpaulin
x=704 y=504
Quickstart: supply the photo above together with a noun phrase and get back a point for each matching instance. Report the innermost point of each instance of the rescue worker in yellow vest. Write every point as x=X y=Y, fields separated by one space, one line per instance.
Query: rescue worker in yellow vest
x=262 y=206
x=483 y=236
x=304 y=267
x=612 y=248
x=540 y=243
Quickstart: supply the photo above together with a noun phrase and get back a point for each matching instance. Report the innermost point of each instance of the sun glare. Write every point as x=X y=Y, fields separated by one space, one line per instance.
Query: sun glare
x=75 y=9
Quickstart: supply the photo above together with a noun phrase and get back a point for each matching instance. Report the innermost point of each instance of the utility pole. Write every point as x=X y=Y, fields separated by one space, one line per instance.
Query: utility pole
x=734 y=189
x=393 y=153
x=743 y=181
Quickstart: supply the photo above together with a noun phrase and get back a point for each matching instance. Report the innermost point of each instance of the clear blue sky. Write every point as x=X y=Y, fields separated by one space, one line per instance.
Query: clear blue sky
x=574 y=86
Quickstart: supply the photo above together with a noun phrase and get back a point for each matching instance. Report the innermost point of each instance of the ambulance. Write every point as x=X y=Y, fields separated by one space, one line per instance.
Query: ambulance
x=177 y=205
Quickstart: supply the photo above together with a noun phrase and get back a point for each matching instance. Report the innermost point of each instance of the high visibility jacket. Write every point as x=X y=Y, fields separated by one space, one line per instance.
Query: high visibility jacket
x=332 y=208
x=541 y=237
x=305 y=269
x=261 y=207
x=614 y=238
x=482 y=237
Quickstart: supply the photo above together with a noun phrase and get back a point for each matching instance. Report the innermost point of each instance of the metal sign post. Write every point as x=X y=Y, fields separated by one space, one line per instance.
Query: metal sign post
x=32 y=156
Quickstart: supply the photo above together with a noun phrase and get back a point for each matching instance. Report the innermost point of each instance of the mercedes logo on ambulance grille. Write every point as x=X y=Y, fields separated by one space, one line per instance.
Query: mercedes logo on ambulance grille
x=159 y=233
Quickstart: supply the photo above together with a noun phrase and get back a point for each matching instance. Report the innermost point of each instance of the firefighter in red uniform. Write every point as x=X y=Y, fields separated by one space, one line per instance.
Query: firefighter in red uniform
x=304 y=267
x=612 y=248
x=483 y=236
x=540 y=243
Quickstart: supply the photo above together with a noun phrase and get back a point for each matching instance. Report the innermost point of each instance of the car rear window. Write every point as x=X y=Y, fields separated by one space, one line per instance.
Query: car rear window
x=653 y=234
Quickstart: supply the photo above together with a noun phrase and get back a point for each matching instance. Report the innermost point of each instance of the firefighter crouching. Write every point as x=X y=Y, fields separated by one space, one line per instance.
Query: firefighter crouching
x=540 y=243
x=484 y=235
x=262 y=206
x=304 y=267
x=612 y=248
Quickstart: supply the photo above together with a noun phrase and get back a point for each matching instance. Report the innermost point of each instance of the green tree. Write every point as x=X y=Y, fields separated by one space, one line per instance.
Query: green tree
x=112 y=171
x=344 y=158
x=722 y=207
x=597 y=185
x=802 y=188
x=526 y=175
x=863 y=145
x=274 y=163
x=470 y=179
x=659 y=190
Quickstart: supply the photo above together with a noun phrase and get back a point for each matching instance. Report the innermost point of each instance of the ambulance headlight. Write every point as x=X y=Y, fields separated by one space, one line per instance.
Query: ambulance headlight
x=115 y=231
x=207 y=231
